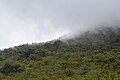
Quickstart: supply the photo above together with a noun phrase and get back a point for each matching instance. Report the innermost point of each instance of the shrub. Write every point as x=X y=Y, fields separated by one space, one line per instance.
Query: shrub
x=8 y=68
x=84 y=70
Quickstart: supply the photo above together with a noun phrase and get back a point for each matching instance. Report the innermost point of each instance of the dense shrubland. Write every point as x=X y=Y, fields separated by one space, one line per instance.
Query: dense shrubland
x=93 y=55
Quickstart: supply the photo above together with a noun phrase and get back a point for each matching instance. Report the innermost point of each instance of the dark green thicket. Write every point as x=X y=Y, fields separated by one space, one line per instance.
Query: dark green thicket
x=8 y=68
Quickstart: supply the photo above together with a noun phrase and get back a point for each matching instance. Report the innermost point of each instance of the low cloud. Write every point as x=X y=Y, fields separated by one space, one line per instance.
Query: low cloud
x=27 y=21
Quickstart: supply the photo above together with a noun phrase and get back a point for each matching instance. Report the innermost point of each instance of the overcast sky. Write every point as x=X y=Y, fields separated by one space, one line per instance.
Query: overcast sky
x=27 y=21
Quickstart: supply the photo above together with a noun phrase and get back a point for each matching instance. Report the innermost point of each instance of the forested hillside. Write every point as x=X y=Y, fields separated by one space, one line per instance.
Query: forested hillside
x=92 y=55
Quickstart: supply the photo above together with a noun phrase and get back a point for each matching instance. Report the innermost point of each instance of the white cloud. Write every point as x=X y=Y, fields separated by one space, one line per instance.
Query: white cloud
x=26 y=21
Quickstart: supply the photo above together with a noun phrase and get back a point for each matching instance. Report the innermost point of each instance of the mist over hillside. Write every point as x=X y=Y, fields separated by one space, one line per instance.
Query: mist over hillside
x=59 y=39
x=27 y=21
x=103 y=36
x=93 y=54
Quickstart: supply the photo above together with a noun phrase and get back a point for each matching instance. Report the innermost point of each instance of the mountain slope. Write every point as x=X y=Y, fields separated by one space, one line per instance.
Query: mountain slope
x=93 y=55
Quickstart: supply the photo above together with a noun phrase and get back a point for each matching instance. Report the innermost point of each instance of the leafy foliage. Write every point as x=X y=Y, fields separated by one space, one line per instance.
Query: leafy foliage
x=7 y=68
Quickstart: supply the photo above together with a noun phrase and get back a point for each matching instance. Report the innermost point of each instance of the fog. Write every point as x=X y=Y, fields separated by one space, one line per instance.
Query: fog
x=27 y=21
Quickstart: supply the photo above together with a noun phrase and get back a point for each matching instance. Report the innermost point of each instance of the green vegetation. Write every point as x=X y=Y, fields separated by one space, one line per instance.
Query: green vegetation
x=90 y=56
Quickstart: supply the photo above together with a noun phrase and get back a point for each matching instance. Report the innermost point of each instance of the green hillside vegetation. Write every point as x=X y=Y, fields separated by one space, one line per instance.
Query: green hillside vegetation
x=93 y=55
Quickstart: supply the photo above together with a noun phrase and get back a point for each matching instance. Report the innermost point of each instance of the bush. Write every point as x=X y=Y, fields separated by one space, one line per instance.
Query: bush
x=1 y=59
x=69 y=72
x=84 y=70
x=8 y=68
